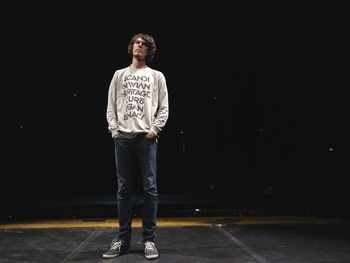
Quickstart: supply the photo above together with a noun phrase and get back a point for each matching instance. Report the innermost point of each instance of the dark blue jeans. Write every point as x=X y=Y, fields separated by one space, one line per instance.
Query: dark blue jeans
x=145 y=151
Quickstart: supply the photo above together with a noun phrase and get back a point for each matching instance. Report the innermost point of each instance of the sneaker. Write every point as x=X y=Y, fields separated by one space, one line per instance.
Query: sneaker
x=117 y=248
x=150 y=250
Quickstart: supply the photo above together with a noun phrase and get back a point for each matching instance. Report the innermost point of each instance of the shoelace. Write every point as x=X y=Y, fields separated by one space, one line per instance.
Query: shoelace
x=116 y=245
x=149 y=246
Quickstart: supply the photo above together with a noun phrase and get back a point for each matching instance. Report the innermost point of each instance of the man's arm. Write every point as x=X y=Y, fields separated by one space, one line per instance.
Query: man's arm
x=111 y=114
x=163 y=106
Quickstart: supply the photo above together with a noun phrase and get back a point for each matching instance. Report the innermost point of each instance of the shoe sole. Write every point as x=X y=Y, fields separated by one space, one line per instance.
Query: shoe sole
x=152 y=257
x=110 y=256
x=116 y=255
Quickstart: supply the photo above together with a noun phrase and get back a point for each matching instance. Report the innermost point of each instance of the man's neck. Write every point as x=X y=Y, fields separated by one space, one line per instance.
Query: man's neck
x=138 y=63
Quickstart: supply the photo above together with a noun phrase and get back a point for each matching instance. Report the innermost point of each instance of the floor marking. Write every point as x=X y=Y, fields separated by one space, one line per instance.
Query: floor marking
x=78 y=248
x=242 y=245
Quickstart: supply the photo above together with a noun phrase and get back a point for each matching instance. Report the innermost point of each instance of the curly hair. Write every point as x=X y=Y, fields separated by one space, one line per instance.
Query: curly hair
x=150 y=43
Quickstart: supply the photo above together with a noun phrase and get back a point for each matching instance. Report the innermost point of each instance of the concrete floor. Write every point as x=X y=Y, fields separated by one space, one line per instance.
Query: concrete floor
x=236 y=239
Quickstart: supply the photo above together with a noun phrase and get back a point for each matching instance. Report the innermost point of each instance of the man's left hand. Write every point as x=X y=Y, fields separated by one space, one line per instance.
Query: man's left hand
x=150 y=135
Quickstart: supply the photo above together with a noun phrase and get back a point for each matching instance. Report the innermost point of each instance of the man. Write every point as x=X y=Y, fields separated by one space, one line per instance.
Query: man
x=137 y=111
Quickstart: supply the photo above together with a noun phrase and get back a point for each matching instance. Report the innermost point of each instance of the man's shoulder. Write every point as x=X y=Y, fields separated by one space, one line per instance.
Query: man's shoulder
x=156 y=71
x=120 y=70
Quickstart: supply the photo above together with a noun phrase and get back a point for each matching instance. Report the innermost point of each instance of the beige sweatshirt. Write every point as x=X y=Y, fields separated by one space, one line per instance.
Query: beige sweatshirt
x=137 y=101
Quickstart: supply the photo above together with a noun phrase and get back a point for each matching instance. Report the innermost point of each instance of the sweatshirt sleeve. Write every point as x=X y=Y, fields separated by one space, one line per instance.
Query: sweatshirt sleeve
x=111 y=115
x=163 y=105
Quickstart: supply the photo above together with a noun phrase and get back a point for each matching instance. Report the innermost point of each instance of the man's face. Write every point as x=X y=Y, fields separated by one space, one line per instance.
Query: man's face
x=139 y=49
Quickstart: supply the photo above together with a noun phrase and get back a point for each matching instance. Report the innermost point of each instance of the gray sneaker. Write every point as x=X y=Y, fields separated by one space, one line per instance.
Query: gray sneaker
x=117 y=248
x=151 y=251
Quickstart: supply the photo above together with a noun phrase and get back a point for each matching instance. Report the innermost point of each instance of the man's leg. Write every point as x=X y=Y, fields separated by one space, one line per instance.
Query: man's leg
x=147 y=156
x=123 y=169
x=123 y=155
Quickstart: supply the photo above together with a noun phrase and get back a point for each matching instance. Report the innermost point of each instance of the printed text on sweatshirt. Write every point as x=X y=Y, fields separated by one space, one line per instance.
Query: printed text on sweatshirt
x=137 y=101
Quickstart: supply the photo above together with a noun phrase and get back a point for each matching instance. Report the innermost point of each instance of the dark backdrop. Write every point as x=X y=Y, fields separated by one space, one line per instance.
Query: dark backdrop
x=258 y=99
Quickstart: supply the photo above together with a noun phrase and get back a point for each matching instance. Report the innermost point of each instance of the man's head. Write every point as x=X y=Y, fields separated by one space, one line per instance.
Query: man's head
x=142 y=47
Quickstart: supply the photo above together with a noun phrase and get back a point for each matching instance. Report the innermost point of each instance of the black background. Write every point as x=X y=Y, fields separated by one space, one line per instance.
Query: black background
x=258 y=99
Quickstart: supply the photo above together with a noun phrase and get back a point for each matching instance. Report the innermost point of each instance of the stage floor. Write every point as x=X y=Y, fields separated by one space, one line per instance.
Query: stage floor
x=202 y=239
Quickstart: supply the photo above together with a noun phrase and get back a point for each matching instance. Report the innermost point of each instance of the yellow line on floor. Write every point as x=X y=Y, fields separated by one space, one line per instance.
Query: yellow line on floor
x=164 y=222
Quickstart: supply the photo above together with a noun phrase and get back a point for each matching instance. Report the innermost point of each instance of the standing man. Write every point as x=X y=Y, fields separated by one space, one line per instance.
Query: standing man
x=137 y=111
